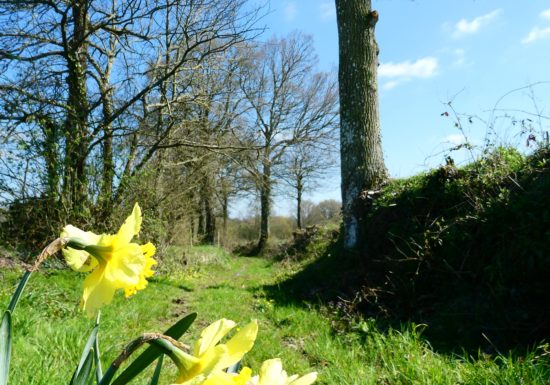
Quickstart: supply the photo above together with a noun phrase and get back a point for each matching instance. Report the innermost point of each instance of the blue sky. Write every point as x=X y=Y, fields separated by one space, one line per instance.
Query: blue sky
x=434 y=51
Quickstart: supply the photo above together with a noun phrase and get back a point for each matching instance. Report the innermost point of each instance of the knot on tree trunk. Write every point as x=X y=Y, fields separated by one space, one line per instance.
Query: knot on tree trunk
x=372 y=18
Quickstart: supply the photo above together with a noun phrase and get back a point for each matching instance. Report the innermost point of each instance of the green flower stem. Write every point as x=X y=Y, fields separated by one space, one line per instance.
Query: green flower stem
x=166 y=343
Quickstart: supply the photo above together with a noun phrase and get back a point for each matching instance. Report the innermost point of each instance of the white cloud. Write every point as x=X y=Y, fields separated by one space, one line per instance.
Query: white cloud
x=545 y=14
x=465 y=27
x=536 y=34
x=455 y=139
x=290 y=11
x=327 y=10
x=422 y=68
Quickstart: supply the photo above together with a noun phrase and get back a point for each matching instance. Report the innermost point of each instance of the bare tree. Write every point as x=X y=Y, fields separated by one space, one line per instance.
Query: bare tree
x=87 y=74
x=362 y=162
x=305 y=164
x=289 y=104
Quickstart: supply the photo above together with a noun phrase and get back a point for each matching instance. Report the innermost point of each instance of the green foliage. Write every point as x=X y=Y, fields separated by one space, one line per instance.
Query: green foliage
x=466 y=250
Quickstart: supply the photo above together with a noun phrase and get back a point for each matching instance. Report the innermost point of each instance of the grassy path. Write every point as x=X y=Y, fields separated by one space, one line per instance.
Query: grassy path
x=303 y=337
x=50 y=331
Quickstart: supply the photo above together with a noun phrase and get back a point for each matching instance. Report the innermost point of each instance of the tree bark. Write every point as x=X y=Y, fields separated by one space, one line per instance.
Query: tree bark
x=362 y=162
x=225 y=216
x=51 y=156
x=299 y=192
x=209 y=217
x=76 y=124
x=265 y=204
x=106 y=194
x=106 y=197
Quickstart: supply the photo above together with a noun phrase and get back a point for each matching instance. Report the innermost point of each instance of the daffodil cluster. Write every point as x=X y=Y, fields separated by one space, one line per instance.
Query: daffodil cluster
x=209 y=360
x=114 y=261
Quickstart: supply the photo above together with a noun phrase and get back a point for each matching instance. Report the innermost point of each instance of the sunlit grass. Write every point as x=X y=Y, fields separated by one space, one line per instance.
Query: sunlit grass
x=50 y=331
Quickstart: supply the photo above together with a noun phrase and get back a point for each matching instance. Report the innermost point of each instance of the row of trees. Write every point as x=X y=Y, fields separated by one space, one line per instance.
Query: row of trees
x=175 y=104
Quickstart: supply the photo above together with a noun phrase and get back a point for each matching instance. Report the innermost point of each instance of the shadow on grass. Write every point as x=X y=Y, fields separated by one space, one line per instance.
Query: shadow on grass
x=162 y=280
x=469 y=258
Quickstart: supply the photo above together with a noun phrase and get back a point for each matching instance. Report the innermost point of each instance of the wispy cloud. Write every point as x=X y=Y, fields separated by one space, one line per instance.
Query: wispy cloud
x=290 y=11
x=545 y=14
x=455 y=139
x=469 y=27
x=399 y=73
x=459 y=57
x=421 y=68
x=536 y=34
x=327 y=10
x=391 y=84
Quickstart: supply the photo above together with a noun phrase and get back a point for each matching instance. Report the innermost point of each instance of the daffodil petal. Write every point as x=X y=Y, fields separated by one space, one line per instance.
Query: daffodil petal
x=98 y=291
x=223 y=378
x=148 y=249
x=290 y=379
x=213 y=359
x=84 y=237
x=79 y=260
x=211 y=335
x=244 y=376
x=204 y=365
x=198 y=380
x=129 y=228
x=240 y=344
x=271 y=373
x=305 y=380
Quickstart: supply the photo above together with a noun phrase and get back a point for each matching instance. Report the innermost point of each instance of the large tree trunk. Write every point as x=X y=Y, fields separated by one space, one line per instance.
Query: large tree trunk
x=106 y=195
x=362 y=162
x=265 y=205
x=207 y=218
x=75 y=187
x=225 y=216
x=299 y=192
x=51 y=157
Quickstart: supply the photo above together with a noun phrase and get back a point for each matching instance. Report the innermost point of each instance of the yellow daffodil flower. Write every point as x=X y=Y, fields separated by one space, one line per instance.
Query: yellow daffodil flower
x=209 y=358
x=114 y=261
x=221 y=378
x=272 y=373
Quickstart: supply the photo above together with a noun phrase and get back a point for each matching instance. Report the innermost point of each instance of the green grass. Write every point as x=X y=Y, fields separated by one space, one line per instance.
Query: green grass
x=304 y=336
x=50 y=331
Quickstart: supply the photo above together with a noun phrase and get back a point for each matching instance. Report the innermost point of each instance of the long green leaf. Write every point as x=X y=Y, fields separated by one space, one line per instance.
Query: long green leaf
x=152 y=352
x=83 y=375
x=5 y=347
x=97 y=354
x=97 y=361
x=156 y=376
x=88 y=350
x=17 y=294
